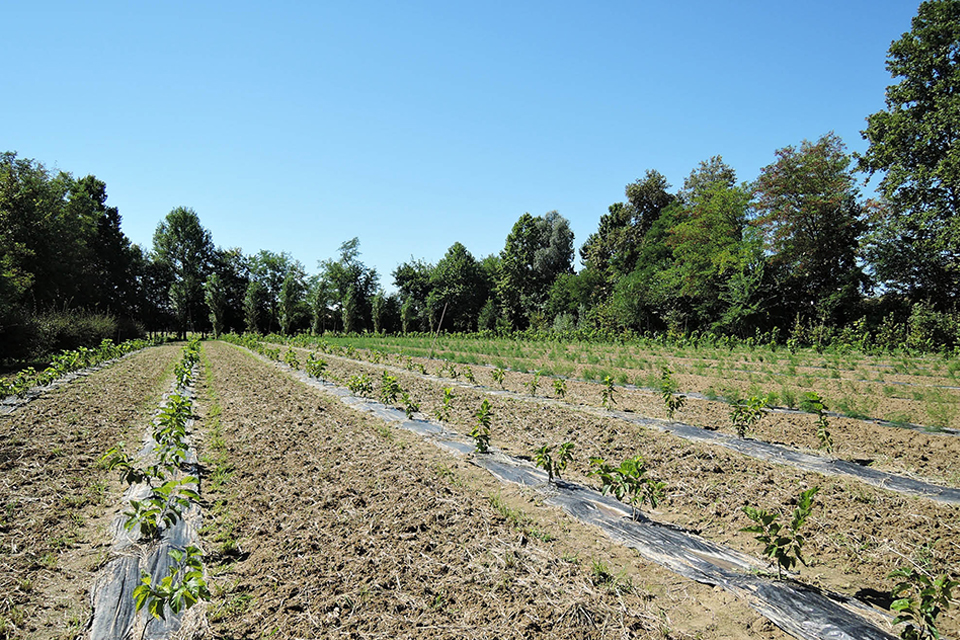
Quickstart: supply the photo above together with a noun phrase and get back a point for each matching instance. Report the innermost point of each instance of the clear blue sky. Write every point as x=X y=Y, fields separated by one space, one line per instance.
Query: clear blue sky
x=293 y=126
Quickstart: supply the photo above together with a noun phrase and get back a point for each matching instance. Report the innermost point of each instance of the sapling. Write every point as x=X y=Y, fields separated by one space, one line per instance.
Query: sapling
x=560 y=387
x=360 y=385
x=629 y=483
x=443 y=412
x=813 y=402
x=497 y=375
x=533 y=383
x=468 y=374
x=389 y=389
x=745 y=415
x=671 y=402
x=607 y=393
x=782 y=543
x=316 y=366
x=918 y=601
x=181 y=589
x=543 y=457
x=481 y=430
x=410 y=406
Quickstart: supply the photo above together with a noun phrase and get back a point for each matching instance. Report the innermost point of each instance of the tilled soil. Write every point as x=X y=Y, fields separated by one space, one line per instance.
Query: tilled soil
x=56 y=501
x=934 y=457
x=323 y=522
x=856 y=535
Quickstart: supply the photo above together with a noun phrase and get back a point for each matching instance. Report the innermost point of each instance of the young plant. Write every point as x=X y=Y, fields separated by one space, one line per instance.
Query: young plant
x=443 y=412
x=410 y=406
x=668 y=386
x=745 y=415
x=181 y=589
x=543 y=457
x=497 y=376
x=468 y=374
x=316 y=366
x=607 y=393
x=813 y=402
x=360 y=385
x=163 y=507
x=533 y=383
x=629 y=483
x=782 y=543
x=918 y=600
x=389 y=389
x=481 y=430
x=290 y=357
x=560 y=387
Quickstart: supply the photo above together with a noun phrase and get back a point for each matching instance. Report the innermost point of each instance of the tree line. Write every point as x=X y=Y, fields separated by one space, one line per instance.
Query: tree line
x=797 y=250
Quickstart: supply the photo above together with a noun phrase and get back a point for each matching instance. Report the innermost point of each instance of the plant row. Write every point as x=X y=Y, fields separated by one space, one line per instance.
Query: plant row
x=170 y=492
x=917 y=598
x=68 y=362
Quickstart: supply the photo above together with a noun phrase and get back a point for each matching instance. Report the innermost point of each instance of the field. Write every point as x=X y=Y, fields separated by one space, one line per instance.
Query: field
x=322 y=521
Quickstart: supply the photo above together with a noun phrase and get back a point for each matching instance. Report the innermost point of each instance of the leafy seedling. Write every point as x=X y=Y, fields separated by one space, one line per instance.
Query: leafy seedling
x=746 y=415
x=782 y=543
x=443 y=411
x=629 y=483
x=608 y=392
x=481 y=430
x=543 y=457
x=497 y=376
x=813 y=402
x=672 y=403
x=560 y=388
x=918 y=601
x=181 y=589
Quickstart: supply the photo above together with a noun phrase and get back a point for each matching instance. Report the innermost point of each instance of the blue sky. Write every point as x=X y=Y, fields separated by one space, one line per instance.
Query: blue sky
x=293 y=126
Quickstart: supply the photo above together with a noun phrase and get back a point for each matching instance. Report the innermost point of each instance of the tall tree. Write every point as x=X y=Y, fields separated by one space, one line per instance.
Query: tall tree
x=457 y=290
x=215 y=297
x=292 y=304
x=255 y=303
x=348 y=278
x=183 y=247
x=915 y=142
x=812 y=221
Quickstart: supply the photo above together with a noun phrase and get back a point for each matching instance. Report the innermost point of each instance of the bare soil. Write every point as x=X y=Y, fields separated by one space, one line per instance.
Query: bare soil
x=857 y=535
x=56 y=501
x=328 y=523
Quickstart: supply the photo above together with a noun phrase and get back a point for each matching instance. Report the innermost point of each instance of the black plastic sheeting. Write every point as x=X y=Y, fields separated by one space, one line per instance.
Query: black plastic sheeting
x=769 y=452
x=114 y=615
x=798 y=609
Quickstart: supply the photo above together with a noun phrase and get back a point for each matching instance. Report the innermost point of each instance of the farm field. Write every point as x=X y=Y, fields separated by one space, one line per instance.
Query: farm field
x=324 y=522
x=919 y=389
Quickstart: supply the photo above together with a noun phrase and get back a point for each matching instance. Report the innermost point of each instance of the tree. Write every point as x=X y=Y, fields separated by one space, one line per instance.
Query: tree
x=350 y=278
x=185 y=249
x=915 y=141
x=456 y=290
x=255 y=306
x=812 y=221
x=271 y=270
x=216 y=299
x=292 y=303
x=412 y=280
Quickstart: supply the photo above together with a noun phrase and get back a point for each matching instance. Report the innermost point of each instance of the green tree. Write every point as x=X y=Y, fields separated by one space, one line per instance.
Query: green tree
x=292 y=304
x=412 y=280
x=456 y=290
x=216 y=299
x=183 y=247
x=348 y=277
x=811 y=220
x=255 y=306
x=915 y=142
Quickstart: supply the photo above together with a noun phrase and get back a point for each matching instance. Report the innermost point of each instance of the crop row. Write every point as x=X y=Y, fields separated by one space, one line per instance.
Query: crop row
x=917 y=597
x=170 y=492
x=68 y=362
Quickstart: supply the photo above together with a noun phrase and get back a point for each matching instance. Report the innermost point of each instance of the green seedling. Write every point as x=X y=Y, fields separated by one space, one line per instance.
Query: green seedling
x=629 y=483
x=389 y=389
x=782 y=543
x=468 y=374
x=543 y=457
x=497 y=376
x=813 y=402
x=481 y=430
x=672 y=403
x=560 y=388
x=533 y=383
x=918 y=601
x=180 y=590
x=608 y=392
x=360 y=385
x=163 y=507
x=410 y=406
x=316 y=366
x=746 y=415
x=443 y=412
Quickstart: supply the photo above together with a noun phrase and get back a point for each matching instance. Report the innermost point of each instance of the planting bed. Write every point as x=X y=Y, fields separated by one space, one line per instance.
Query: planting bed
x=930 y=456
x=56 y=503
x=857 y=535
x=332 y=524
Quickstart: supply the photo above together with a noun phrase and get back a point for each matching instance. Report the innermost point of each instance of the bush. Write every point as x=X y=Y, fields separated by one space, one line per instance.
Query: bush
x=35 y=336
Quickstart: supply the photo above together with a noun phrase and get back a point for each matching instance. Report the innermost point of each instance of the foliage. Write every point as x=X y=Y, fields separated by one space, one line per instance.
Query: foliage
x=668 y=387
x=316 y=366
x=184 y=587
x=913 y=143
x=185 y=250
x=443 y=412
x=560 y=387
x=481 y=430
x=629 y=483
x=497 y=375
x=608 y=393
x=782 y=543
x=919 y=600
x=745 y=415
x=533 y=383
x=389 y=389
x=360 y=385
x=410 y=406
x=813 y=402
x=554 y=466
